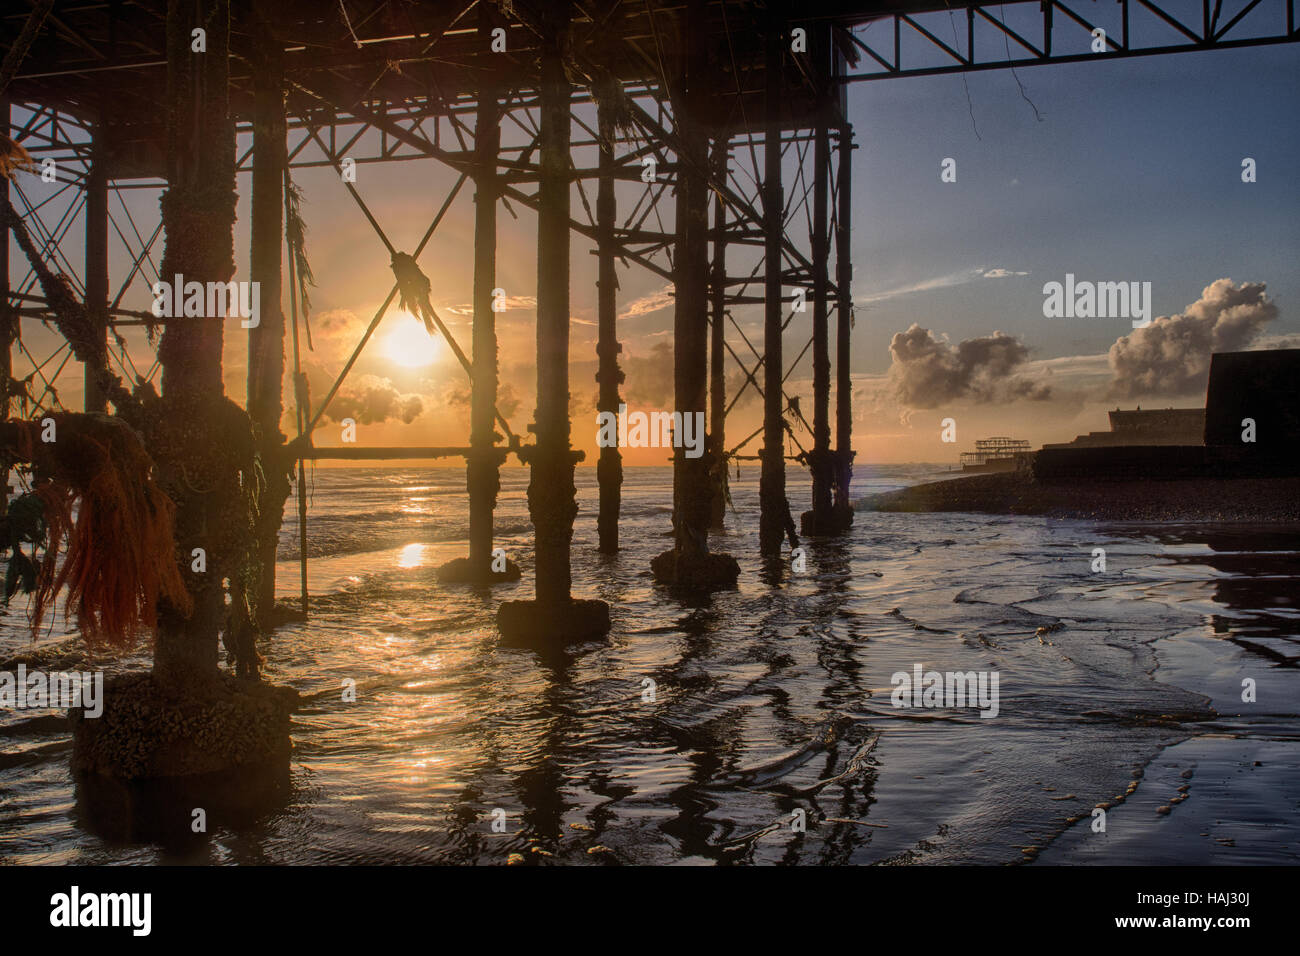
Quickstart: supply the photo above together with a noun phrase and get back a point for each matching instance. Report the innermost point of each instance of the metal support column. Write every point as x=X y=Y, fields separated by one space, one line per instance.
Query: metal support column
x=773 y=516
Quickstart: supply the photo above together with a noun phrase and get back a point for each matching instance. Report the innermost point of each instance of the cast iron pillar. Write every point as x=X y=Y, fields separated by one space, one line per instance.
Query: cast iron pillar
x=689 y=563
x=774 y=516
x=554 y=618
x=609 y=467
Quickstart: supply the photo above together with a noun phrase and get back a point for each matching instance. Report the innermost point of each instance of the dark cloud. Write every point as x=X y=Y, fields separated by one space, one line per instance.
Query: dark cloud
x=735 y=382
x=650 y=377
x=507 y=401
x=928 y=371
x=372 y=404
x=1171 y=356
x=649 y=380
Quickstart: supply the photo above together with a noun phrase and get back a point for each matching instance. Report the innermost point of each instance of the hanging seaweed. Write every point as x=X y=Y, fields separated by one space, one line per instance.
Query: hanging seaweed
x=295 y=233
x=413 y=287
x=239 y=636
x=718 y=478
x=13 y=157
x=23 y=524
x=98 y=502
x=609 y=93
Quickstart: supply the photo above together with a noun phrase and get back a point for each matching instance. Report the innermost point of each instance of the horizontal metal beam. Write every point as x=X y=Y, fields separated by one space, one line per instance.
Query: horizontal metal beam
x=889 y=55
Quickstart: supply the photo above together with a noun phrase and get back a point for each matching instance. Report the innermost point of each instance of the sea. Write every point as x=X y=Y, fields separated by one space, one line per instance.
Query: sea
x=1146 y=674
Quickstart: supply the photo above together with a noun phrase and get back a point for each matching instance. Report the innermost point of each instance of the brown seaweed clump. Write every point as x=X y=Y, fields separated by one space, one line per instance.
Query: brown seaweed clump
x=101 y=503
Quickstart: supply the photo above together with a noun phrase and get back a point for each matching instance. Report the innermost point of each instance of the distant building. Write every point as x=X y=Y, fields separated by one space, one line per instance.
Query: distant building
x=1162 y=426
x=994 y=454
x=1250 y=428
x=1263 y=386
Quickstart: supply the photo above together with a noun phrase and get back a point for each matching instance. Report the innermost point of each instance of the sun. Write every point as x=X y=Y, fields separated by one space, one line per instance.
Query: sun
x=409 y=344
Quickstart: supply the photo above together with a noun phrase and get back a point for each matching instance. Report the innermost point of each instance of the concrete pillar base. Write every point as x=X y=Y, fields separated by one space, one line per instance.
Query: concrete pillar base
x=546 y=625
x=150 y=731
x=707 y=572
x=838 y=520
x=461 y=571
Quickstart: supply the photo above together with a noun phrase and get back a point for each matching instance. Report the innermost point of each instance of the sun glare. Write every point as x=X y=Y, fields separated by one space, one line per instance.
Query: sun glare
x=409 y=344
x=411 y=556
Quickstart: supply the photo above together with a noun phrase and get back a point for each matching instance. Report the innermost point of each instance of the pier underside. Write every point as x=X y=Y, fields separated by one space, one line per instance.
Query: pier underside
x=707 y=143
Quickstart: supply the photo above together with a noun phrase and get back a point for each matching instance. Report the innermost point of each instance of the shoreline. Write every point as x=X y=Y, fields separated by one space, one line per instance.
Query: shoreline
x=1254 y=500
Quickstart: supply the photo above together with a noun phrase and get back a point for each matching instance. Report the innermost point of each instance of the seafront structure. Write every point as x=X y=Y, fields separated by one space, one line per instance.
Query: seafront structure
x=713 y=135
x=994 y=454
x=1249 y=428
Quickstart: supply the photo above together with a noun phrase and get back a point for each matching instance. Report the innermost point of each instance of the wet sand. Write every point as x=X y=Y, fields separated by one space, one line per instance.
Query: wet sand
x=767 y=699
x=1230 y=797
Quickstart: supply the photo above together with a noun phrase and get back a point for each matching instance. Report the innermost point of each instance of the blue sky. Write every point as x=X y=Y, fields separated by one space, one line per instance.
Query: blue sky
x=1133 y=173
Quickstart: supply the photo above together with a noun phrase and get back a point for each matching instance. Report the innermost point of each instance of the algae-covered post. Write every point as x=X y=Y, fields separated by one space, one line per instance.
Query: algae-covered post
x=844 y=332
x=484 y=458
x=198 y=212
x=690 y=562
x=772 y=504
x=554 y=617
x=483 y=463
x=609 y=467
x=266 y=339
x=718 y=340
x=185 y=718
x=818 y=520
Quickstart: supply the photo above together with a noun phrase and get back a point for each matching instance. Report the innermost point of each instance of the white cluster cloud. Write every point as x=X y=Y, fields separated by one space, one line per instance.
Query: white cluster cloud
x=1171 y=356
x=928 y=371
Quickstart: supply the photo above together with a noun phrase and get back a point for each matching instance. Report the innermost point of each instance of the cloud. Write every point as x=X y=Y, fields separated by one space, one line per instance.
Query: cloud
x=961 y=277
x=371 y=400
x=649 y=303
x=526 y=303
x=458 y=396
x=927 y=371
x=333 y=332
x=1171 y=356
x=649 y=377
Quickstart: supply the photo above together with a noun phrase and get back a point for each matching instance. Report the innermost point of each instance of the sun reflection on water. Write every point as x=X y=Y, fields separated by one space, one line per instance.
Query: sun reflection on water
x=411 y=556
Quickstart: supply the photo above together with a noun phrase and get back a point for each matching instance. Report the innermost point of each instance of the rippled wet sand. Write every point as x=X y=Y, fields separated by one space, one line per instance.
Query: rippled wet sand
x=766 y=700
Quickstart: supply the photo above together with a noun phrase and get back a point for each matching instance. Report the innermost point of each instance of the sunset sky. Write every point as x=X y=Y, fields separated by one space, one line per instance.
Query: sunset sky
x=1132 y=174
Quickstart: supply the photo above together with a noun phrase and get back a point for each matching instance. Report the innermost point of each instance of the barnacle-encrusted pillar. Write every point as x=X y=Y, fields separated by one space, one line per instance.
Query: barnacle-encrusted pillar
x=609 y=467
x=266 y=339
x=843 y=506
x=773 y=507
x=821 y=460
x=483 y=467
x=718 y=343
x=198 y=214
x=690 y=563
x=187 y=718
x=554 y=618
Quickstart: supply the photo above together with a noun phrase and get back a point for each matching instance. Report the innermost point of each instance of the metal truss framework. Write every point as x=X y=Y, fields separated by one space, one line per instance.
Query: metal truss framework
x=62 y=147
x=916 y=44
x=644 y=237
x=329 y=123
